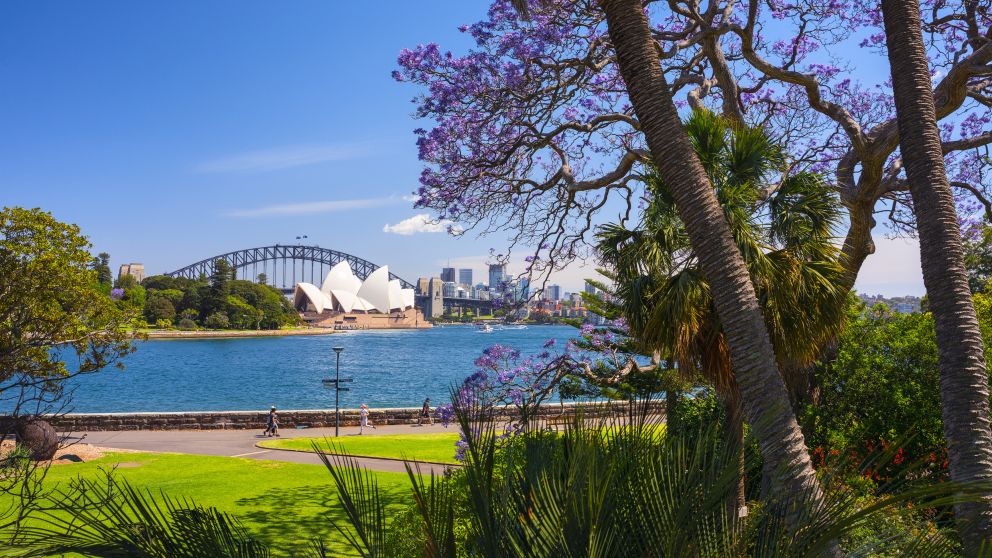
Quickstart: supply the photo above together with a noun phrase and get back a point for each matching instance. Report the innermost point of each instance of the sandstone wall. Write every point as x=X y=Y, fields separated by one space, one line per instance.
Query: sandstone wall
x=235 y=420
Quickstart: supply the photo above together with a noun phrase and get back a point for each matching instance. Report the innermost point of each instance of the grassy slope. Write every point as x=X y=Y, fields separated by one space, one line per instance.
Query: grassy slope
x=283 y=504
x=439 y=447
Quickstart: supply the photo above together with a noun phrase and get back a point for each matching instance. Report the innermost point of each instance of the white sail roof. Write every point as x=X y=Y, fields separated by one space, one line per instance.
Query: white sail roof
x=409 y=298
x=375 y=289
x=310 y=292
x=395 y=295
x=344 y=292
x=341 y=278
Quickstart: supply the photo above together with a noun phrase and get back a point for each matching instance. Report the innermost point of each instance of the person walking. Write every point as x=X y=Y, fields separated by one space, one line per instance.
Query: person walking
x=272 y=424
x=425 y=413
x=364 y=421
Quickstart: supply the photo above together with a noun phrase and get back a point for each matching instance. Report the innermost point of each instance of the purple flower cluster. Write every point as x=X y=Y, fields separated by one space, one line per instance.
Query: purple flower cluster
x=117 y=294
x=536 y=107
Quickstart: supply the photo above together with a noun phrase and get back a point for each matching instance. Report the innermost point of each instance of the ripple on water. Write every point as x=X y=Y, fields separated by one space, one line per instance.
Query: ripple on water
x=396 y=368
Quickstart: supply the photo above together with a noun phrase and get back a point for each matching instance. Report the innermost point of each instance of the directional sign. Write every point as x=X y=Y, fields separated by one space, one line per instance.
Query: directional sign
x=333 y=381
x=344 y=389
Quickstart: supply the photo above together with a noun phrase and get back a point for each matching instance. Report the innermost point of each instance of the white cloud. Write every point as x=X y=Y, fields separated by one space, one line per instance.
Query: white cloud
x=284 y=157
x=309 y=208
x=421 y=223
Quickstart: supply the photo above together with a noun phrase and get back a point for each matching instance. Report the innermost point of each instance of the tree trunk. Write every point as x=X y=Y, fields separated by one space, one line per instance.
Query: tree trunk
x=964 y=387
x=766 y=401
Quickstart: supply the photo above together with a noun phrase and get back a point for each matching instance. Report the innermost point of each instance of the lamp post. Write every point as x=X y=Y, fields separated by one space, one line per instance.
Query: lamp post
x=337 y=390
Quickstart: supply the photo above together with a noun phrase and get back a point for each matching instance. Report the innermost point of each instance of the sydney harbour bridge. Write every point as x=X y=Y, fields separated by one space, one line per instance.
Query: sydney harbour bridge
x=285 y=265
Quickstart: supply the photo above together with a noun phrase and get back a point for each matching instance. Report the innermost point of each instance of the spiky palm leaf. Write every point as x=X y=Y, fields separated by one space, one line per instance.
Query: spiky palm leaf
x=614 y=487
x=111 y=518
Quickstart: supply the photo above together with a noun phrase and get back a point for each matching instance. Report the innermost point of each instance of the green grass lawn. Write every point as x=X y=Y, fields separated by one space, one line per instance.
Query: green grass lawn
x=283 y=504
x=439 y=447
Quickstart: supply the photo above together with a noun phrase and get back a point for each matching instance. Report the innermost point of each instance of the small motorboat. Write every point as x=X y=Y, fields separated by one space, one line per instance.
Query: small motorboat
x=484 y=328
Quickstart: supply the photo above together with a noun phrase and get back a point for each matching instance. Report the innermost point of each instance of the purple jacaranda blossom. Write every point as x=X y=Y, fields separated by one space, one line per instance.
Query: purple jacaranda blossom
x=117 y=294
x=535 y=107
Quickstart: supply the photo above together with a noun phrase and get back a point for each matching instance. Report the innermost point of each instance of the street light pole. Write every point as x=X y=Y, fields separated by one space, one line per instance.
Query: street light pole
x=337 y=390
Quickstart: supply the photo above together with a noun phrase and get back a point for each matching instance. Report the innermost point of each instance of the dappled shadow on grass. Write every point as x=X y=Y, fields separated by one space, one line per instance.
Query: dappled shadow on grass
x=287 y=519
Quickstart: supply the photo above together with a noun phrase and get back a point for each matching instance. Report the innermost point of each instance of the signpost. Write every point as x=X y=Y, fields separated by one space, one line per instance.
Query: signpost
x=335 y=384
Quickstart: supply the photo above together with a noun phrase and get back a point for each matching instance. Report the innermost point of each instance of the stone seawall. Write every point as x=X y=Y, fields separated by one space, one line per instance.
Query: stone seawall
x=241 y=420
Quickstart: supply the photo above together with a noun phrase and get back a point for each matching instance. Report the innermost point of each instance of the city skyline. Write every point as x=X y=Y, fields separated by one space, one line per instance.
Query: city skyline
x=201 y=139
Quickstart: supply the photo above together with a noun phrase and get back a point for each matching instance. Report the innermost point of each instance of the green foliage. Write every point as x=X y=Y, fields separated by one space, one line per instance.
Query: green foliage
x=883 y=385
x=242 y=315
x=158 y=308
x=783 y=226
x=215 y=298
x=186 y=324
x=978 y=258
x=618 y=488
x=101 y=265
x=247 y=305
x=113 y=518
x=164 y=324
x=276 y=310
x=50 y=300
x=175 y=296
x=126 y=282
x=193 y=298
x=134 y=293
x=217 y=320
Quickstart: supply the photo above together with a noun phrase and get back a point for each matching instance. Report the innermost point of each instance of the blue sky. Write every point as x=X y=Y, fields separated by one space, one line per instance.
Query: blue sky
x=171 y=132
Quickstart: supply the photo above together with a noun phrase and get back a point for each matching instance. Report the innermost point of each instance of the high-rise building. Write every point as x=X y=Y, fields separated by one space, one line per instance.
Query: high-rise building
x=448 y=274
x=552 y=293
x=465 y=277
x=589 y=288
x=450 y=289
x=497 y=276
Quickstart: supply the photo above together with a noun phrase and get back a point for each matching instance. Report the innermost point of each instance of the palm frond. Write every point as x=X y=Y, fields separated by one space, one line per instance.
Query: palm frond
x=111 y=518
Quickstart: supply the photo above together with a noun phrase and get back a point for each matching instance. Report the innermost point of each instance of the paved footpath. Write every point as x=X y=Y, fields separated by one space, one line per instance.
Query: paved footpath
x=241 y=443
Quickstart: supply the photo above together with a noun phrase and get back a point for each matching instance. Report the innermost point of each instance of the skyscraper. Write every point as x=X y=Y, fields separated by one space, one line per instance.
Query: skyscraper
x=497 y=276
x=590 y=289
x=448 y=274
x=465 y=277
x=552 y=293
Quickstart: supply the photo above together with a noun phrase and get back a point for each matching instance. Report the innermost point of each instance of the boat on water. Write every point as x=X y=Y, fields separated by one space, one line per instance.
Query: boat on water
x=485 y=328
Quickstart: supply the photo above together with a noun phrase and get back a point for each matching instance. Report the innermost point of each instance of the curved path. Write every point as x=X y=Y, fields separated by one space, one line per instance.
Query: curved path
x=241 y=443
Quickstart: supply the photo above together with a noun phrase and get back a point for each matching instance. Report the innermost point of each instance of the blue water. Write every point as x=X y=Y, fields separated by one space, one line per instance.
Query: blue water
x=397 y=368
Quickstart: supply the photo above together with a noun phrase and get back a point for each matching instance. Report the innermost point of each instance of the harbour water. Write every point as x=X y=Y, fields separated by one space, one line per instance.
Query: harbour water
x=391 y=368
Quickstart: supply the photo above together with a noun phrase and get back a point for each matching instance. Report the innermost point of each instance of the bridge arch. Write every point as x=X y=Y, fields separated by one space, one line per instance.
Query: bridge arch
x=292 y=257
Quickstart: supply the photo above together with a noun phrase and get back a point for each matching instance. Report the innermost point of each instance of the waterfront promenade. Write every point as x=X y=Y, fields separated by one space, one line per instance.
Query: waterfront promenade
x=241 y=443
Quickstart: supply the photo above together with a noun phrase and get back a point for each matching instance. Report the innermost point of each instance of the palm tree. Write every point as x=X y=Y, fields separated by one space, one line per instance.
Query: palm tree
x=963 y=378
x=784 y=233
x=763 y=392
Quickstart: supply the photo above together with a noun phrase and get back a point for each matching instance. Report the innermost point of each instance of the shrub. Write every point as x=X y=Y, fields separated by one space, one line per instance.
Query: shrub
x=187 y=324
x=217 y=320
x=159 y=308
x=882 y=386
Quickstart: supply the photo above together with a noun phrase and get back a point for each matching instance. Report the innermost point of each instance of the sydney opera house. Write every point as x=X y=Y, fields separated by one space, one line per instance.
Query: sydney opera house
x=346 y=302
